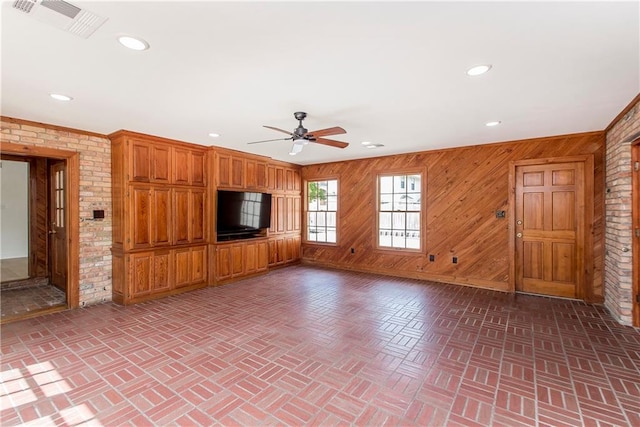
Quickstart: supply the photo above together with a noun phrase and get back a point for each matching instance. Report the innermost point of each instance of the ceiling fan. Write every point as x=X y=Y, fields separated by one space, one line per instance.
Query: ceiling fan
x=301 y=136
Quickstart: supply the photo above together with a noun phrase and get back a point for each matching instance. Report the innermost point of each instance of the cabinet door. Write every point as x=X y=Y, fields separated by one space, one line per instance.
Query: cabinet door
x=273 y=252
x=198 y=264
x=250 y=174
x=289 y=179
x=297 y=181
x=223 y=163
x=280 y=179
x=237 y=266
x=261 y=175
x=262 y=256
x=223 y=262
x=161 y=271
x=237 y=172
x=181 y=166
x=280 y=251
x=161 y=219
x=297 y=213
x=290 y=214
x=181 y=224
x=197 y=215
x=292 y=248
x=160 y=163
x=140 y=216
x=182 y=267
x=140 y=161
x=140 y=274
x=198 y=168
x=271 y=177
x=281 y=218
x=250 y=256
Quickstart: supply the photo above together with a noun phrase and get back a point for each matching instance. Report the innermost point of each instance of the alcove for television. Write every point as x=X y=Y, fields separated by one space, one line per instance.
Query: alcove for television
x=242 y=215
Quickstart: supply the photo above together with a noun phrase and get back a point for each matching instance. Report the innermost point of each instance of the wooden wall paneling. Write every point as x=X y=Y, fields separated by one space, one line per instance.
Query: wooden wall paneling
x=271 y=177
x=281 y=212
x=251 y=178
x=119 y=189
x=289 y=180
x=250 y=258
x=635 y=217
x=261 y=175
x=141 y=274
x=290 y=212
x=262 y=256
x=279 y=183
x=38 y=227
x=466 y=187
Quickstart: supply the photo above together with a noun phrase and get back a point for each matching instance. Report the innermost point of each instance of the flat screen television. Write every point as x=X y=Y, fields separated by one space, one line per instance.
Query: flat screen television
x=242 y=214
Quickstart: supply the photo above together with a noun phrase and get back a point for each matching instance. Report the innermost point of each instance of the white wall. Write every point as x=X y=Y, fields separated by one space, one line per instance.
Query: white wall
x=14 y=209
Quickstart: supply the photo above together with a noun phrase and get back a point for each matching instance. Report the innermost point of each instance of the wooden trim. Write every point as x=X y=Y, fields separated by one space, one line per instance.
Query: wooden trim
x=472 y=282
x=51 y=127
x=422 y=171
x=72 y=160
x=622 y=113
x=635 y=269
x=585 y=232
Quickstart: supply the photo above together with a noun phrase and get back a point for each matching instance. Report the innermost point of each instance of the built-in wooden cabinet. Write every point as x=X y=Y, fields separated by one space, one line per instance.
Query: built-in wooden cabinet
x=237 y=170
x=241 y=258
x=164 y=216
x=160 y=214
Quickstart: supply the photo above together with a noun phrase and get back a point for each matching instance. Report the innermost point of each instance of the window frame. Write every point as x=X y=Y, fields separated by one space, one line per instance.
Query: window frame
x=305 y=219
x=423 y=211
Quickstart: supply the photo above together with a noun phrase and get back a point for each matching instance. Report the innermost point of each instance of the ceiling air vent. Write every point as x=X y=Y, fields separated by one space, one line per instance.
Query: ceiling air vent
x=62 y=15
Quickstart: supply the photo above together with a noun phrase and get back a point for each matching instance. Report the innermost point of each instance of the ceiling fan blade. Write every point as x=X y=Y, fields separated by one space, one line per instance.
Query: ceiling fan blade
x=270 y=140
x=337 y=130
x=279 y=130
x=331 y=142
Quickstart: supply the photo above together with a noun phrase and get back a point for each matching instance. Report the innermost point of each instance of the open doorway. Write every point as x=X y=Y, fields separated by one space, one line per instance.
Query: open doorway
x=33 y=250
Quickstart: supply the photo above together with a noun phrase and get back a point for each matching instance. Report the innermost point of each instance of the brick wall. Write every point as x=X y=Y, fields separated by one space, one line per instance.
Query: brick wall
x=95 y=193
x=618 y=218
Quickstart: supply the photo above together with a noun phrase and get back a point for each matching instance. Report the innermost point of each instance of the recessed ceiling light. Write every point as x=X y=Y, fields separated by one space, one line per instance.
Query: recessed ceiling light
x=372 y=146
x=478 y=69
x=214 y=135
x=60 y=97
x=491 y=124
x=366 y=143
x=292 y=153
x=133 y=43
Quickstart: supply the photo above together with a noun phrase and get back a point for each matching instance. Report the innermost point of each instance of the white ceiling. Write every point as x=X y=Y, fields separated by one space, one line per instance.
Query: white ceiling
x=388 y=72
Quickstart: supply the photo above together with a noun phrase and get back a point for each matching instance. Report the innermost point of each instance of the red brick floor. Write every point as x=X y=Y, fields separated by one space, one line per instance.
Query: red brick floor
x=305 y=346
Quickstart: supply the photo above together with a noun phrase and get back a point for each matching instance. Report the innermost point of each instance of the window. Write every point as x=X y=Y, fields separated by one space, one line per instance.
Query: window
x=322 y=207
x=399 y=211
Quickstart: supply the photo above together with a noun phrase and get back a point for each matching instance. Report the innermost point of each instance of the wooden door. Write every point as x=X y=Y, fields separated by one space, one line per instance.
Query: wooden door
x=223 y=163
x=161 y=163
x=223 y=262
x=183 y=267
x=549 y=221
x=181 y=166
x=58 y=225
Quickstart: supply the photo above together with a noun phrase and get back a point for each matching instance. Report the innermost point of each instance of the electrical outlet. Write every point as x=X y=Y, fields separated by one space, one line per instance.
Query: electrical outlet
x=432 y=258
x=353 y=250
x=455 y=260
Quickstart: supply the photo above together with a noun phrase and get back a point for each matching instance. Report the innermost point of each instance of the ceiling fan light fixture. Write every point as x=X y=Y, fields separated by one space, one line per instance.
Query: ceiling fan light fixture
x=478 y=70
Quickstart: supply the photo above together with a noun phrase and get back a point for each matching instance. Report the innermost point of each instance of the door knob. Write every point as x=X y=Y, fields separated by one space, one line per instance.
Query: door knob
x=519 y=235
x=52 y=232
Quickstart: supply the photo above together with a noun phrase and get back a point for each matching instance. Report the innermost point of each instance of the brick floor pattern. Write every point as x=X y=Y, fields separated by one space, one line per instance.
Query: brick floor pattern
x=307 y=346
